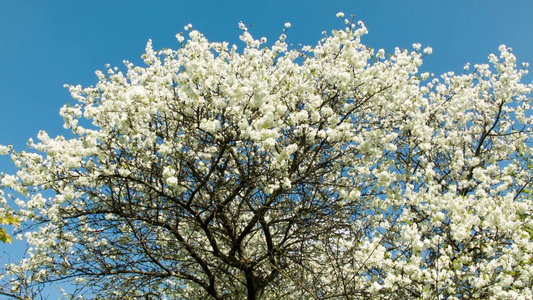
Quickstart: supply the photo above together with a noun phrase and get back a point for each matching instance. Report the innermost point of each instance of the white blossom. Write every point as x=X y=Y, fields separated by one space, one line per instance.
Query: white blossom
x=326 y=171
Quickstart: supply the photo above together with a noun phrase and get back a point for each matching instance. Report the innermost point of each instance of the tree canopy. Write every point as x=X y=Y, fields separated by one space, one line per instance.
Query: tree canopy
x=274 y=172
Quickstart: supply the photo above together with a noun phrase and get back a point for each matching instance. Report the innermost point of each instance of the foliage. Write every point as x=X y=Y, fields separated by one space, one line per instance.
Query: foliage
x=8 y=219
x=330 y=171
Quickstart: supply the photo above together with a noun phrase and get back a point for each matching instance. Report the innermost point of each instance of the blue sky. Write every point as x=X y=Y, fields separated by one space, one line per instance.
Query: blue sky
x=45 y=44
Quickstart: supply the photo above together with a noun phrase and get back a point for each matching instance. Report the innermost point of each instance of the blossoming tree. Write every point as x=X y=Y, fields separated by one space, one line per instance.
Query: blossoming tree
x=327 y=171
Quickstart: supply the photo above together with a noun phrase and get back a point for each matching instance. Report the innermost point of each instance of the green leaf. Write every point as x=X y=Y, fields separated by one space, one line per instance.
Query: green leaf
x=4 y=237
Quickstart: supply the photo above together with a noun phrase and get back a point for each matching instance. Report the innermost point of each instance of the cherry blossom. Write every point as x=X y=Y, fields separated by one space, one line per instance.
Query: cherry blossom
x=326 y=171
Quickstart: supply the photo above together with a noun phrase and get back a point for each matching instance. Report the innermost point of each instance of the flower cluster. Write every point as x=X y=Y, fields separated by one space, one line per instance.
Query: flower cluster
x=330 y=170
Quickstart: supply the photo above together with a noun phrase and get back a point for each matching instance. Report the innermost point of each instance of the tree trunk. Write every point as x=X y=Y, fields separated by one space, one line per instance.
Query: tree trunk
x=250 y=284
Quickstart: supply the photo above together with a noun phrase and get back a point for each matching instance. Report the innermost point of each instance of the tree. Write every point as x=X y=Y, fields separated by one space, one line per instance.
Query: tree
x=327 y=171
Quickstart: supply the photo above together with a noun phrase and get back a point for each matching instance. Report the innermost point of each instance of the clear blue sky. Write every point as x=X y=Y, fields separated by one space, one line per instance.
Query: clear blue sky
x=45 y=44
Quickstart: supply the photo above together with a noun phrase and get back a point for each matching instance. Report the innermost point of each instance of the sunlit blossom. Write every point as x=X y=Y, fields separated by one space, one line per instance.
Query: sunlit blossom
x=330 y=171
